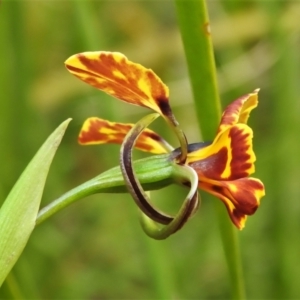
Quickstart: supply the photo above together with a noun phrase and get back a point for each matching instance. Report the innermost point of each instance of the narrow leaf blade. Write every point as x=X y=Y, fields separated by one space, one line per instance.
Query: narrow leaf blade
x=19 y=211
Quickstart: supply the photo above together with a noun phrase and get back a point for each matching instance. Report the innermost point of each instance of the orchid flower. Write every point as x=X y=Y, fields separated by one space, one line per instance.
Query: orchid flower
x=221 y=167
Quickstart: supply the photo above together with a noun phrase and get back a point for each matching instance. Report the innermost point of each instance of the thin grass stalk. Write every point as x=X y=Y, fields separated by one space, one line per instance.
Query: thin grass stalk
x=196 y=37
x=160 y=267
x=13 y=106
x=89 y=34
x=11 y=288
x=162 y=277
x=13 y=86
x=285 y=125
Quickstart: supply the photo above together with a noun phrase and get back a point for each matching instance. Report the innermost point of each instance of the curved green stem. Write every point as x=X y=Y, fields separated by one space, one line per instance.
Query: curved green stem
x=196 y=36
x=154 y=172
x=190 y=204
x=152 y=215
x=81 y=191
x=134 y=187
x=172 y=122
x=183 y=144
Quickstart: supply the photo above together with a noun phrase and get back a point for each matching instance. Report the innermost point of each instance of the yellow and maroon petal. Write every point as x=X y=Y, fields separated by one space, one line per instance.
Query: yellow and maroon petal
x=114 y=74
x=241 y=197
x=239 y=110
x=229 y=157
x=99 y=131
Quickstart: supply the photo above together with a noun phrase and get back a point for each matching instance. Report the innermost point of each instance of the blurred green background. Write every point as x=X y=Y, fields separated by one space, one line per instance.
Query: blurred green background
x=95 y=249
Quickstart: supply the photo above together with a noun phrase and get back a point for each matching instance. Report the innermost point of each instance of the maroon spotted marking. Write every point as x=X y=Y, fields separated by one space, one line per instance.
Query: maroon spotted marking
x=212 y=166
x=142 y=143
x=165 y=108
x=257 y=185
x=236 y=217
x=243 y=196
x=124 y=89
x=229 y=116
x=240 y=158
x=157 y=88
x=217 y=189
x=246 y=203
x=152 y=136
x=92 y=134
x=105 y=66
x=243 y=199
x=118 y=133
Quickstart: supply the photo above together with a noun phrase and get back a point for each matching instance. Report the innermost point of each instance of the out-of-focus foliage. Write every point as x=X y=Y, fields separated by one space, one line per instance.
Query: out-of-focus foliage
x=96 y=248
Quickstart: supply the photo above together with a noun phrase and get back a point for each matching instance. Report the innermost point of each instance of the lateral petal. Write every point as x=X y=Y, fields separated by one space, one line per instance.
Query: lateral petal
x=114 y=74
x=239 y=110
x=99 y=131
x=241 y=197
x=229 y=157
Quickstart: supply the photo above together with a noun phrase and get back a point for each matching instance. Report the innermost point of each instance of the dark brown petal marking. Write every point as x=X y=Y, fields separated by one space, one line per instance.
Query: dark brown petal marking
x=244 y=197
x=166 y=109
x=240 y=144
x=77 y=70
x=99 y=131
x=231 y=113
x=213 y=166
x=244 y=194
x=239 y=110
x=241 y=197
x=125 y=88
x=93 y=133
x=236 y=217
x=221 y=192
x=217 y=189
x=157 y=89
x=105 y=66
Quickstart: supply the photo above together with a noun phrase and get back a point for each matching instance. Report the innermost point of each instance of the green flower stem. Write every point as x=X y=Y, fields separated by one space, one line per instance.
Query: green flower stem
x=153 y=172
x=161 y=271
x=196 y=37
x=181 y=137
x=133 y=185
x=190 y=204
x=195 y=32
x=183 y=144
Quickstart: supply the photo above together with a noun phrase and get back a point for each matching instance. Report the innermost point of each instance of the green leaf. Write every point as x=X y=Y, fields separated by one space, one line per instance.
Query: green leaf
x=19 y=211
